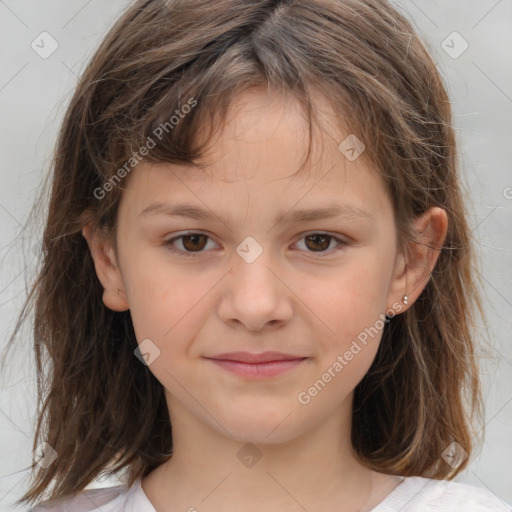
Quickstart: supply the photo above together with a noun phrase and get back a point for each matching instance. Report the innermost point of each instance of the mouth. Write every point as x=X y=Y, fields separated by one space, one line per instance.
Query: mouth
x=263 y=365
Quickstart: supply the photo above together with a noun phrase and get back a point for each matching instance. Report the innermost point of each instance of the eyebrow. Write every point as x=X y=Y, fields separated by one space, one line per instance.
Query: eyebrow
x=346 y=212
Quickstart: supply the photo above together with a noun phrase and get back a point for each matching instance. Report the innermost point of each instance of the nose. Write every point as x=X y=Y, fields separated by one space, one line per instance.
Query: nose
x=255 y=296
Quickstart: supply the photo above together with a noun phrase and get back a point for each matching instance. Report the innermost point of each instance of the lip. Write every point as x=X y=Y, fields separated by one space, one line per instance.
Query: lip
x=249 y=357
x=257 y=366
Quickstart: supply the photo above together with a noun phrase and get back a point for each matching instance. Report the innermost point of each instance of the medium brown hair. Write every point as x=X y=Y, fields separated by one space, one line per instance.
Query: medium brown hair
x=104 y=410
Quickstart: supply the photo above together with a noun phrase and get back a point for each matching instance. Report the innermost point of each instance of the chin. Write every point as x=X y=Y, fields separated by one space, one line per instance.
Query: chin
x=262 y=426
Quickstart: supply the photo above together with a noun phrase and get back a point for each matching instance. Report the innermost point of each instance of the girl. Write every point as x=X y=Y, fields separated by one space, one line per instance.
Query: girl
x=236 y=323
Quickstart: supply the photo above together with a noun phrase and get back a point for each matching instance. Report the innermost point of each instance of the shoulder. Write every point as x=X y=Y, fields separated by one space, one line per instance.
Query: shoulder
x=107 y=499
x=425 y=495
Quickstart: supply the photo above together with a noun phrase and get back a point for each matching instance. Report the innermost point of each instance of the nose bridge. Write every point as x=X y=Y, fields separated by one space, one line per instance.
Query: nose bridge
x=252 y=266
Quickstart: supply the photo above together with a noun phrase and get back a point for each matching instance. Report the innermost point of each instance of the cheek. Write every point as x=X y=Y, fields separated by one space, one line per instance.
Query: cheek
x=165 y=302
x=348 y=330
x=347 y=306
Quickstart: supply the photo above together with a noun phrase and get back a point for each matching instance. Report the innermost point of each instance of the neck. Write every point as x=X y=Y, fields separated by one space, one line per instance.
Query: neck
x=210 y=470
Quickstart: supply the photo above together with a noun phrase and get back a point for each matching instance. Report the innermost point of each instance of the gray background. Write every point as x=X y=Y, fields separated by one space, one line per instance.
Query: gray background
x=35 y=91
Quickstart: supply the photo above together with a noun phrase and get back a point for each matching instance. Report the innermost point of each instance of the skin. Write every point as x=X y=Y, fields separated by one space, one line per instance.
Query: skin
x=296 y=297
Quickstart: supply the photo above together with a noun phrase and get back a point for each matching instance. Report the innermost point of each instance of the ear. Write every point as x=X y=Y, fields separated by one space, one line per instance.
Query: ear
x=107 y=268
x=413 y=272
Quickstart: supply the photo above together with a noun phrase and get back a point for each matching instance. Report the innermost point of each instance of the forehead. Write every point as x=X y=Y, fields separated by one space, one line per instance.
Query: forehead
x=257 y=155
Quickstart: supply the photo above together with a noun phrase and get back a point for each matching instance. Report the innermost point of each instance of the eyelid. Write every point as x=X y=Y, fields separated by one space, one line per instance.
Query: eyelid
x=340 y=239
x=338 y=236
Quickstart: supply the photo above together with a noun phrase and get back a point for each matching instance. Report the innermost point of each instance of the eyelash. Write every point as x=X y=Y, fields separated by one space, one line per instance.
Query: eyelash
x=169 y=244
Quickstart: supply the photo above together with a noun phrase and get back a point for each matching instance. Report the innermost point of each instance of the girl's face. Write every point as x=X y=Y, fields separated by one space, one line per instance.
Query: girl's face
x=261 y=273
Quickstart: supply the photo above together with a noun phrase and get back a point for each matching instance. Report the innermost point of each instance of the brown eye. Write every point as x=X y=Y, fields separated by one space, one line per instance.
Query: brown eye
x=192 y=244
x=321 y=242
x=318 y=242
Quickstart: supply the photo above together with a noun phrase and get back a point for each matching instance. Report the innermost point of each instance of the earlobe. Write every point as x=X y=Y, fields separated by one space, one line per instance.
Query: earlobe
x=106 y=268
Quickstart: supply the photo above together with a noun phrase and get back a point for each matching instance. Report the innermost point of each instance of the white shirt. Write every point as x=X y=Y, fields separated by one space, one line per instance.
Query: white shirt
x=412 y=494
